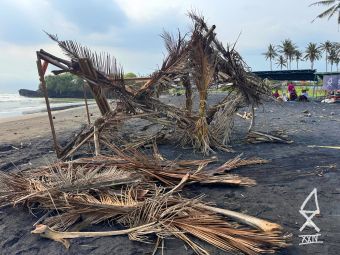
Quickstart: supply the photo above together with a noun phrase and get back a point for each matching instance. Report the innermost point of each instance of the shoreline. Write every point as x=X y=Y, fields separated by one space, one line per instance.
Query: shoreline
x=24 y=128
x=41 y=113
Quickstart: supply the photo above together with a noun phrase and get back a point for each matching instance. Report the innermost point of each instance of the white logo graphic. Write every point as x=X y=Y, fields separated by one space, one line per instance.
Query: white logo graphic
x=309 y=215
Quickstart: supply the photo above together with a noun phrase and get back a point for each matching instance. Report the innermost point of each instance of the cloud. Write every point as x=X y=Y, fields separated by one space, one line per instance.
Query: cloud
x=130 y=29
x=22 y=22
x=91 y=16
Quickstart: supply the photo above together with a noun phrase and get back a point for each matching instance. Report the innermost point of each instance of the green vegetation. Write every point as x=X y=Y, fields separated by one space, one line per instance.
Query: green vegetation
x=130 y=75
x=70 y=86
x=65 y=86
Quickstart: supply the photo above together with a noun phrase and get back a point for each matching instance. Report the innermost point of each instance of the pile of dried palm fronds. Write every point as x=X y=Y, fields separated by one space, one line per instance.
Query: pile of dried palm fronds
x=123 y=189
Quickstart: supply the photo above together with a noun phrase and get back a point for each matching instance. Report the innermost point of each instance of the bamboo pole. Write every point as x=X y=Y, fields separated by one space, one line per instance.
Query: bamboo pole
x=188 y=95
x=252 y=122
x=86 y=105
x=96 y=140
x=78 y=146
x=43 y=86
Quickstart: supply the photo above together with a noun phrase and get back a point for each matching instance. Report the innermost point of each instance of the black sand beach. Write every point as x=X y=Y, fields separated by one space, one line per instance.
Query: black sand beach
x=283 y=184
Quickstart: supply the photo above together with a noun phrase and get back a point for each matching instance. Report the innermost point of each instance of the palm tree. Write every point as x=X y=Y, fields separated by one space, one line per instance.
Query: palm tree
x=333 y=7
x=332 y=57
x=287 y=48
x=270 y=54
x=312 y=53
x=326 y=47
x=281 y=62
x=298 y=57
x=336 y=62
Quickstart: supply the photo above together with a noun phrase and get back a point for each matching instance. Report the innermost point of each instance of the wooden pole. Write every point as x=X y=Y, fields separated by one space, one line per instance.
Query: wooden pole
x=86 y=105
x=96 y=140
x=41 y=71
x=252 y=122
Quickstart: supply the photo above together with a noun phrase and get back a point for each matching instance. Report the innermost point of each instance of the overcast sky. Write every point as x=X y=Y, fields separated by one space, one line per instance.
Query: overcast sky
x=130 y=29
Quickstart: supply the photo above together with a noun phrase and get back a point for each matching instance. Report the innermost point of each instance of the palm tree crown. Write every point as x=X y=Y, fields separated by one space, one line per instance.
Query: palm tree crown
x=287 y=48
x=298 y=57
x=333 y=8
x=312 y=53
x=332 y=57
x=326 y=48
x=270 y=54
x=281 y=62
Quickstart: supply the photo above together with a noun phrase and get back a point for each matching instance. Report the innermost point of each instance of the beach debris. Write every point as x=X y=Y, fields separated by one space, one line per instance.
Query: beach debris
x=245 y=115
x=165 y=216
x=324 y=146
x=196 y=61
x=272 y=137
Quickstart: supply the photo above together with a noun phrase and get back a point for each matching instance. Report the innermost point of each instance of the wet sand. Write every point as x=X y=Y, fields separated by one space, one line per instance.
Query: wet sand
x=31 y=126
x=284 y=183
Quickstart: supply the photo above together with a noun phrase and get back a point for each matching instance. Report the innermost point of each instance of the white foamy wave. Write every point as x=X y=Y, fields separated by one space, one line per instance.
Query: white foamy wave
x=17 y=98
x=16 y=105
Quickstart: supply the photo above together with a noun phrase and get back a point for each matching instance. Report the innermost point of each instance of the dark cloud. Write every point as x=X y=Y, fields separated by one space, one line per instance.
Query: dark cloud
x=91 y=16
x=17 y=27
x=146 y=36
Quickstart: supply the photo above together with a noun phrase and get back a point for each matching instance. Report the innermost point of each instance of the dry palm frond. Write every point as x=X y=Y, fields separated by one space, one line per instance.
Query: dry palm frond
x=223 y=120
x=203 y=71
x=273 y=137
x=166 y=215
x=170 y=172
x=102 y=62
x=175 y=63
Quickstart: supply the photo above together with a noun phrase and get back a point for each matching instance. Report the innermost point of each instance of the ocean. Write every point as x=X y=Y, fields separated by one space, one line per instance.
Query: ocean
x=12 y=105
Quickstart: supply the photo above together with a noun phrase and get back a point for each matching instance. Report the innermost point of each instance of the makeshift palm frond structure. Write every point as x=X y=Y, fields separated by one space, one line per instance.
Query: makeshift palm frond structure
x=140 y=192
x=195 y=61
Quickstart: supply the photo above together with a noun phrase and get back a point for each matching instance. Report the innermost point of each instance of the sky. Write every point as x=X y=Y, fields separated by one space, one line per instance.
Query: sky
x=130 y=30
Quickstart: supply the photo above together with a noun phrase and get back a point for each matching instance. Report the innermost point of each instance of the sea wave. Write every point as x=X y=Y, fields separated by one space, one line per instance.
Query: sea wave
x=16 y=105
x=17 y=98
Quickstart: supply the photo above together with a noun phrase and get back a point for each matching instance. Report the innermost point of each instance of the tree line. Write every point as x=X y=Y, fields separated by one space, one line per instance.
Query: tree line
x=287 y=52
x=69 y=86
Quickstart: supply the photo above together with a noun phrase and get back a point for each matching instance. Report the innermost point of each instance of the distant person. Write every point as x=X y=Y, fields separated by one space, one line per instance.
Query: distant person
x=276 y=94
x=283 y=98
x=304 y=96
x=291 y=87
x=292 y=92
x=292 y=95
